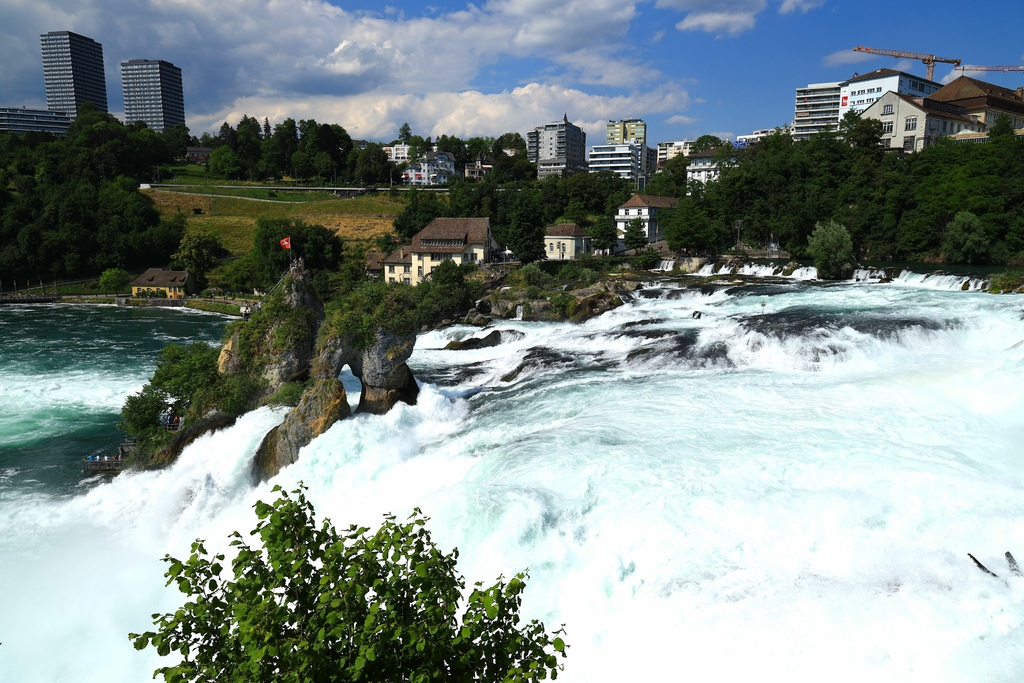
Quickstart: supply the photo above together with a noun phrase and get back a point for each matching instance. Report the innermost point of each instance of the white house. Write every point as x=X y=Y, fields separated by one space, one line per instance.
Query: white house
x=645 y=207
x=566 y=241
x=435 y=168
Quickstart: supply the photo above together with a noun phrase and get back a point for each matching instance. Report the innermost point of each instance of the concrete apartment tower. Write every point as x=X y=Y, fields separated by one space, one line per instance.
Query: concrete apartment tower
x=619 y=132
x=72 y=72
x=558 y=148
x=152 y=93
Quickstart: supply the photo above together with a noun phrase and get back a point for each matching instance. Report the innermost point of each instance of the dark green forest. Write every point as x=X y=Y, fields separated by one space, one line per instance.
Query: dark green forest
x=896 y=207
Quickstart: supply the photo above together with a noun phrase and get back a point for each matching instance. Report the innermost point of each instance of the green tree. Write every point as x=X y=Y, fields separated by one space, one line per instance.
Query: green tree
x=115 y=280
x=1002 y=128
x=317 y=605
x=197 y=253
x=705 y=143
x=832 y=248
x=966 y=240
x=635 y=235
x=225 y=162
x=603 y=234
x=525 y=233
x=405 y=134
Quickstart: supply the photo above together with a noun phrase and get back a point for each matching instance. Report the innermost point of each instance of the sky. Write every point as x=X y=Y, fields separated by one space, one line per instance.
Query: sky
x=483 y=68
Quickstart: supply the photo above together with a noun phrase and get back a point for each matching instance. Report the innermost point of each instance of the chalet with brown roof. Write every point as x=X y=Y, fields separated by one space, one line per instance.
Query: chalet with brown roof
x=645 y=207
x=397 y=266
x=566 y=241
x=173 y=284
x=373 y=266
x=463 y=240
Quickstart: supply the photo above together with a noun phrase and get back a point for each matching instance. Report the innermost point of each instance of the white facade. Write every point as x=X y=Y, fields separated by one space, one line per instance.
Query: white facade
x=644 y=207
x=398 y=154
x=816 y=110
x=703 y=167
x=670 y=150
x=627 y=160
x=860 y=92
x=436 y=168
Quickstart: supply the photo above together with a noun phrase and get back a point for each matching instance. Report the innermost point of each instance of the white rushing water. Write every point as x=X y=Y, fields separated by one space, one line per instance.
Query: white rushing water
x=786 y=486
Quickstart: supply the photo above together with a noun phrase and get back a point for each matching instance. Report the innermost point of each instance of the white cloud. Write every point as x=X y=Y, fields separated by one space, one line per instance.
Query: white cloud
x=680 y=120
x=803 y=6
x=716 y=16
x=847 y=57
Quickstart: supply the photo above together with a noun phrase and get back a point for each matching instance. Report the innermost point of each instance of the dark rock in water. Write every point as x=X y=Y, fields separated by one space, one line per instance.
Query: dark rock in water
x=541 y=357
x=483 y=306
x=401 y=387
x=492 y=339
x=476 y=319
x=320 y=407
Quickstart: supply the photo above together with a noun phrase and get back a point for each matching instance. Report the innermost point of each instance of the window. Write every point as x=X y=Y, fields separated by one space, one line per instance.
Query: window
x=886 y=126
x=886 y=109
x=391 y=269
x=419 y=271
x=407 y=269
x=908 y=143
x=910 y=123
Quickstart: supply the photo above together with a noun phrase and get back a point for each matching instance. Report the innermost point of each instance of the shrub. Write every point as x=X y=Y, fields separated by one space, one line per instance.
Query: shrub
x=832 y=249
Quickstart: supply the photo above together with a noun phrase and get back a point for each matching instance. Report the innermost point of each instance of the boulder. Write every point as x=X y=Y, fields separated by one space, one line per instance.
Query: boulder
x=492 y=339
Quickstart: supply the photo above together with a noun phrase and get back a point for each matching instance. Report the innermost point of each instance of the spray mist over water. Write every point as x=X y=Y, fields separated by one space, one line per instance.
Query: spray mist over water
x=787 y=485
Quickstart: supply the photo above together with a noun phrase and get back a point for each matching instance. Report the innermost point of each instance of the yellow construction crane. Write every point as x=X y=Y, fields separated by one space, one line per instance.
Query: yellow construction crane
x=989 y=68
x=927 y=60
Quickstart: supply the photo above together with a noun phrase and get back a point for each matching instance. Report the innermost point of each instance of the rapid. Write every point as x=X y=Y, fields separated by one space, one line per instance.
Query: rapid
x=765 y=479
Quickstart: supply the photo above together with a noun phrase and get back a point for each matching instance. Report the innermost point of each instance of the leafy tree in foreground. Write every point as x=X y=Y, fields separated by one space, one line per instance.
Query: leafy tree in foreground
x=197 y=253
x=318 y=605
x=635 y=235
x=832 y=248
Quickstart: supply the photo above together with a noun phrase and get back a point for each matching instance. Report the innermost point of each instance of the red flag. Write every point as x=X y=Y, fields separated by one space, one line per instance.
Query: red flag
x=286 y=243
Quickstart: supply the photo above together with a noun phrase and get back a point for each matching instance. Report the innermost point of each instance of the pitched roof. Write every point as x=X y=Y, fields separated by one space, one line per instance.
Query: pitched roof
x=462 y=231
x=565 y=230
x=971 y=93
x=373 y=260
x=158 y=277
x=929 y=106
x=399 y=256
x=652 y=201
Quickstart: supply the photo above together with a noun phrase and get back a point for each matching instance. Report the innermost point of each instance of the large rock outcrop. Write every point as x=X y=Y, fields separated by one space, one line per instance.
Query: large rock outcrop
x=321 y=406
x=381 y=368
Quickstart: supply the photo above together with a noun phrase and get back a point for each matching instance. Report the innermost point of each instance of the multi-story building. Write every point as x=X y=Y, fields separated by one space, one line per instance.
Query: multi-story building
x=744 y=141
x=463 y=240
x=705 y=167
x=913 y=123
x=152 y=93
x=817 y=109
x=476 y=170
x=984 y=102
x=398 y=154
x=72 y=72
x=645 y=207
x=618 y=132
x=627 y=160
x=860 y=92
x=670 y=150
x=21 y=120
x=558 y=148
x=435 y=168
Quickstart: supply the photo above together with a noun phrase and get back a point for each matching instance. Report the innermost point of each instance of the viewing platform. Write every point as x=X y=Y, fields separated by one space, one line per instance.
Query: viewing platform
x=108 y=464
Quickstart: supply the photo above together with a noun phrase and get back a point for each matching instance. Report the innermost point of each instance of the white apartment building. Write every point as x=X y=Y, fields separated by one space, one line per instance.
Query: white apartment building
x=743 y=141
x=817 y=109
x=860 y=92
x=435 y=168
x=670 y=150
x=627 y=160
x=703 y=167
x=398 y=154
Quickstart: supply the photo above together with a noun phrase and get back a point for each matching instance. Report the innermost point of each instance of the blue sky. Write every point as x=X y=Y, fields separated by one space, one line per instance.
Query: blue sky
x=687 y=67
